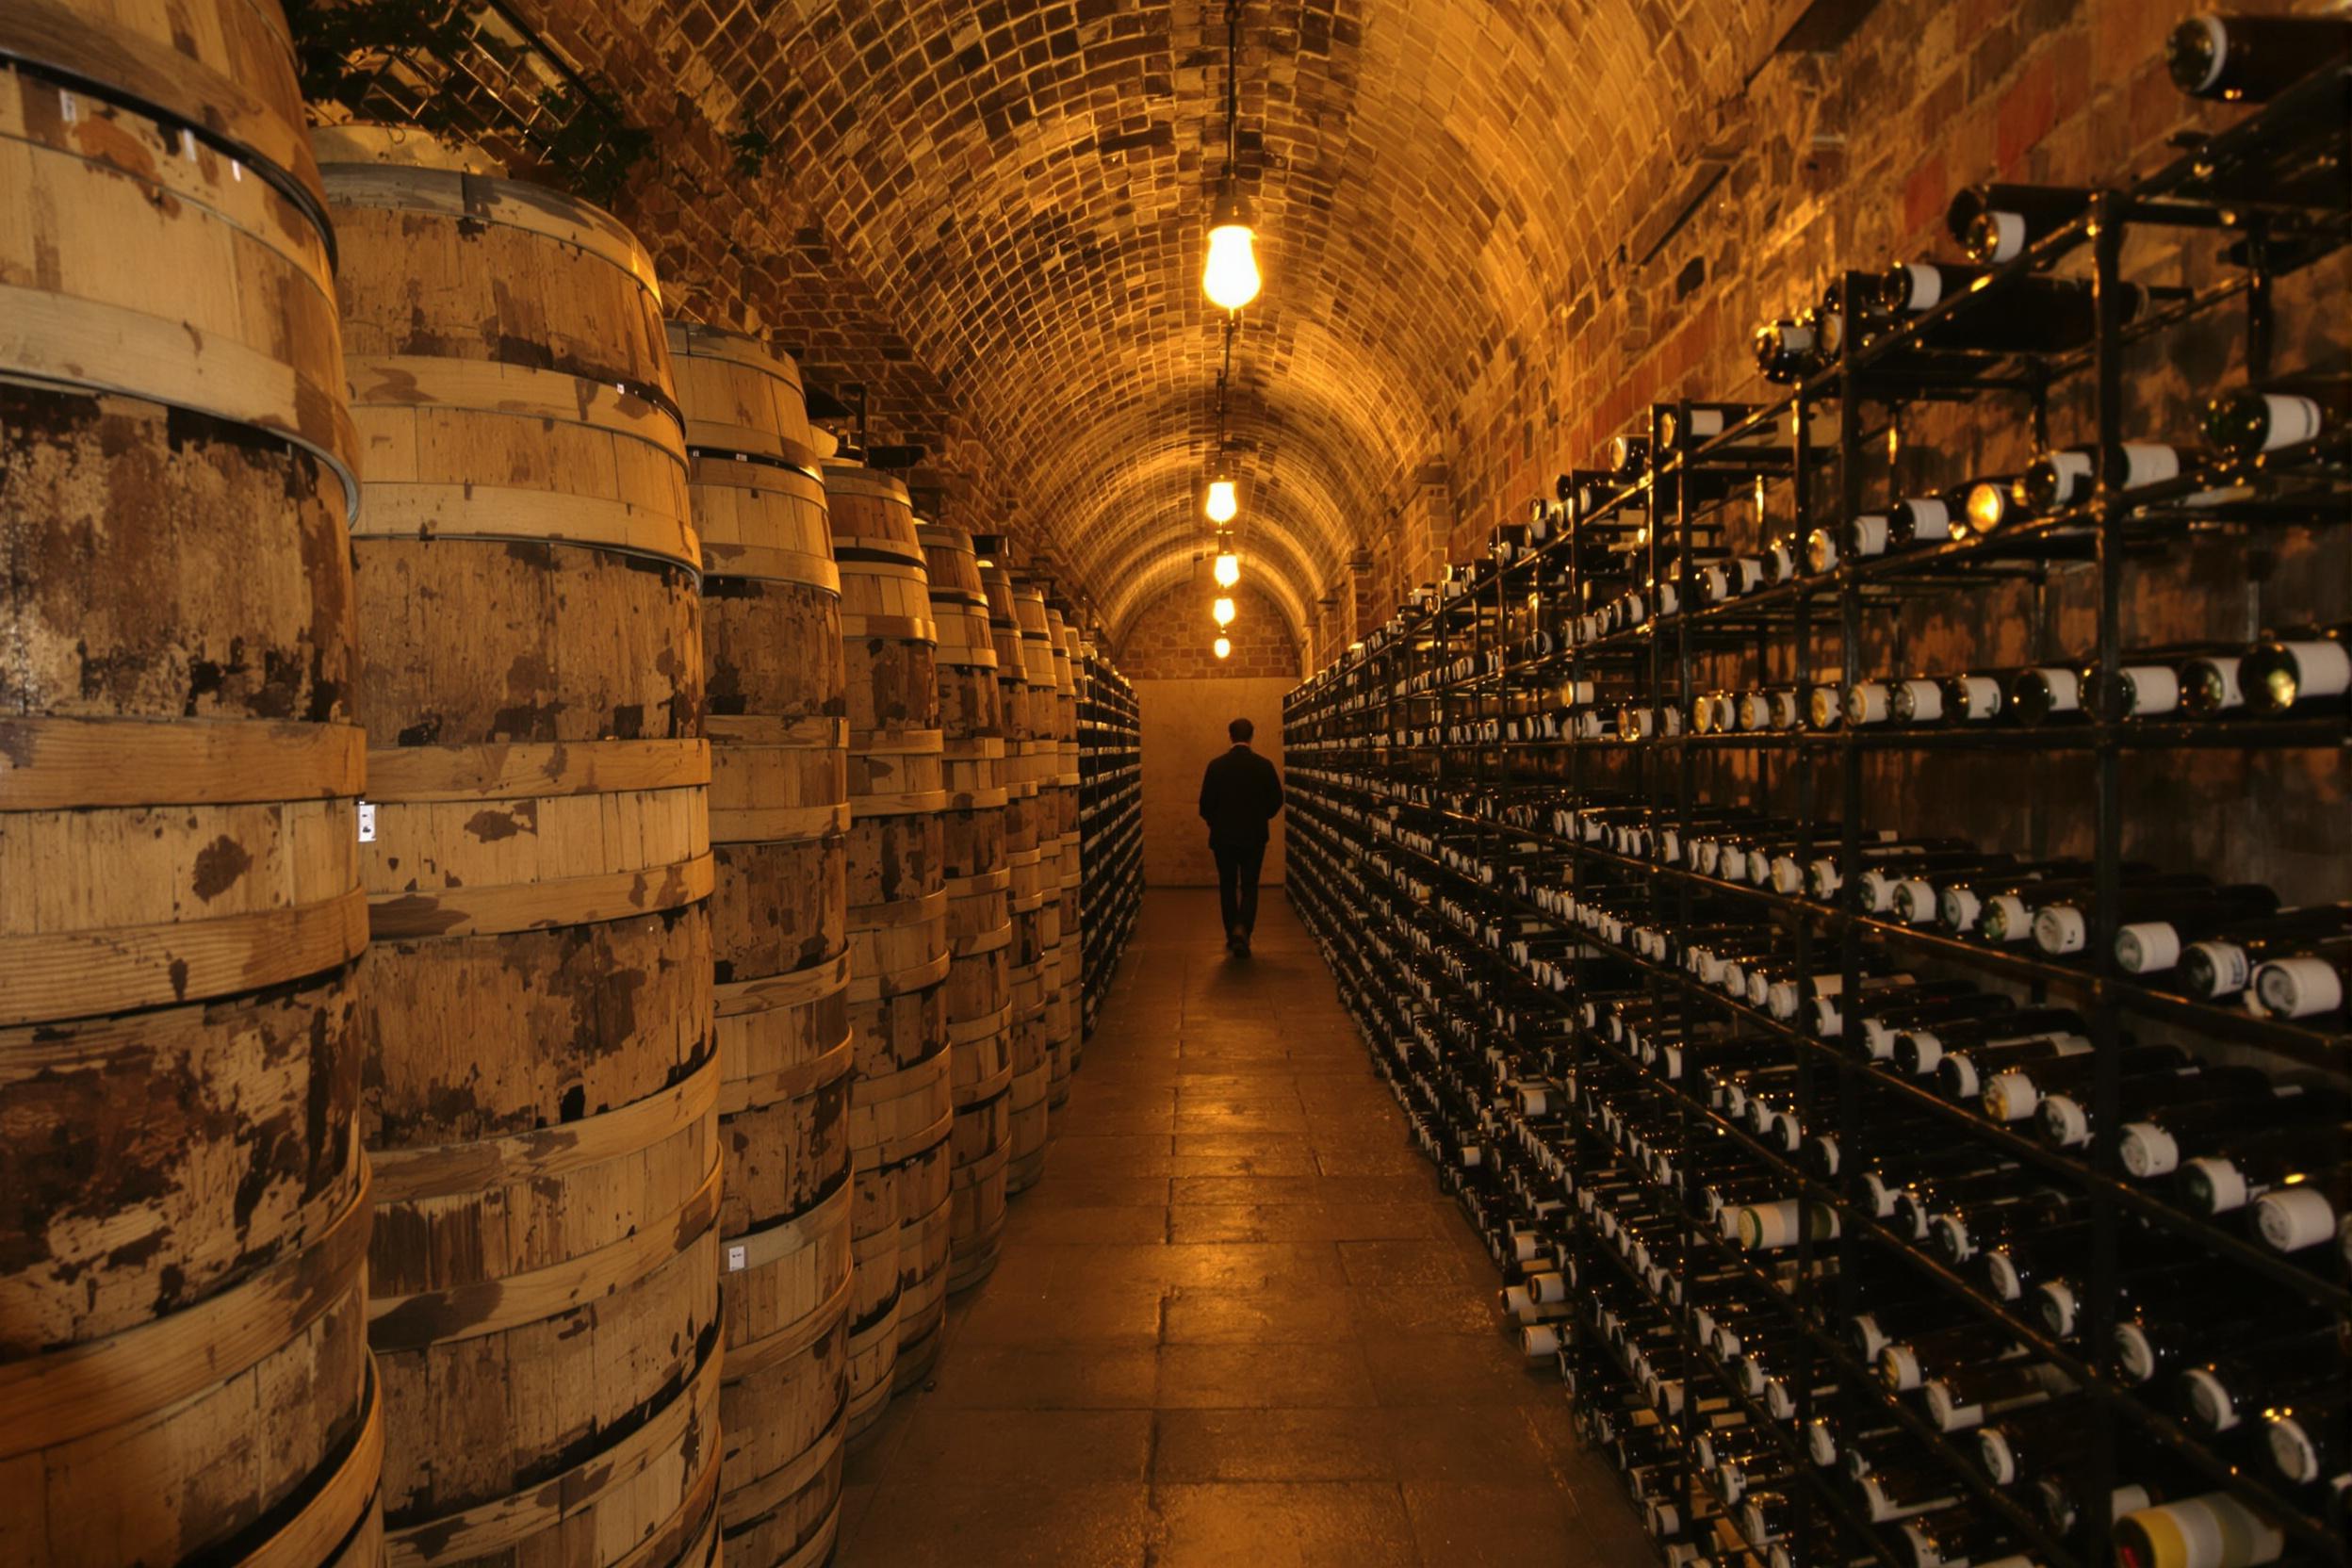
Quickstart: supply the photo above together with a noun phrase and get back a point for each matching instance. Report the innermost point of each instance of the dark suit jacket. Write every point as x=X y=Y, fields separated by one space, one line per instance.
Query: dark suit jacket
x=1239 y=794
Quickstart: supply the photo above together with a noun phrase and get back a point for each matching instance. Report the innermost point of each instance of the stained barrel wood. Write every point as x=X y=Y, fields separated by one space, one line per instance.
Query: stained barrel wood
x=1072 y=960
x=1027 y=1110
x=979 y=883
x=542 y=1087
x=182 y=1198
x=901 y=1105
x=1048 y=669
x=779 y=815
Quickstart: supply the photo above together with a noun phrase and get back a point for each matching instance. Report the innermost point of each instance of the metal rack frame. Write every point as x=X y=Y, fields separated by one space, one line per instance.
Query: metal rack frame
x=1366 y=709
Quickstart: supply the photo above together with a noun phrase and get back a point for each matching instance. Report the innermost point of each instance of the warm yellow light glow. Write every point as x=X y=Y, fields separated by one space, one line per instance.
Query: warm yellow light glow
x=1224 y=501
x=1231 y=278
x=1222 y=611
x=1227 y=568
x=1222 y=647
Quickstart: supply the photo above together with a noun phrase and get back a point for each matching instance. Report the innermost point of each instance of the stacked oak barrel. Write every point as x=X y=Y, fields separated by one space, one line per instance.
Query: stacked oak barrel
x=1049 y=676
x=979 y=911
x=1069 y=672
x=1026 y=1102
x=1039 y=888
x=542 y=1085
x=184 y=1210
x=902 y=1102
x=779 y=819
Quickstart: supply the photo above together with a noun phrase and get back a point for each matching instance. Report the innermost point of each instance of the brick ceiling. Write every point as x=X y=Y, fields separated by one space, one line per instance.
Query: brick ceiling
x=1022 y=189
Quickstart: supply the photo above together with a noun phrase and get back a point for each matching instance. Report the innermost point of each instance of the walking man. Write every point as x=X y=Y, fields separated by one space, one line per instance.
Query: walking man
x=1239 y=794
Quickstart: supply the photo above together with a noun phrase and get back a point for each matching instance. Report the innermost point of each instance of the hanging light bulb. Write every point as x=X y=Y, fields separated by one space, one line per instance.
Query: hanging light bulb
x=1228 y=566
x=1231 y=278
x=1222 y=611
x=1224 y=502
x=1222 y=647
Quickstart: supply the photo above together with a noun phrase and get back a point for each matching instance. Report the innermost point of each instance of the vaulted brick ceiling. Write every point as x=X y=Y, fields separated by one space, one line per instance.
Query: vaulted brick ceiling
x=1023 y=189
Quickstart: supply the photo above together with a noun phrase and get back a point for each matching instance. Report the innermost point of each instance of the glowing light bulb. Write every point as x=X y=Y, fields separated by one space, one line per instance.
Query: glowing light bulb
x=1222 y=647
x=1222 y=611
x=1224 y=502
x=1231 y=278
x=1227 y=568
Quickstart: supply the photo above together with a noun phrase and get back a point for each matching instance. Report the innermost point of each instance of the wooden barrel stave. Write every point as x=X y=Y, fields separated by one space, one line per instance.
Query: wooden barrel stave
x=547 y=1304
x=775 y=707
x=183 y=1210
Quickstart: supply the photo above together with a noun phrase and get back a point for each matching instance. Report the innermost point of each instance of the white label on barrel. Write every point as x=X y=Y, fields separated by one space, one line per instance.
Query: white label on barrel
x=367 y=822
x=737 y=1254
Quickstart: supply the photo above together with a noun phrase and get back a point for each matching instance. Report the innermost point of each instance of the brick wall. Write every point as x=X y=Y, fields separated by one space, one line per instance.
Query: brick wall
x=1843 y=159
x=1170 y=640
x=1489 y=233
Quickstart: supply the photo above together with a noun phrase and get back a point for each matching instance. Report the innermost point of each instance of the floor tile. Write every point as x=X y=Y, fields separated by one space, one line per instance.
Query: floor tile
x=1236 y=1322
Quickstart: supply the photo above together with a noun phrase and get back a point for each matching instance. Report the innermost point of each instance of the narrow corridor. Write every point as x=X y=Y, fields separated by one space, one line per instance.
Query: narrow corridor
x=1237 y=1322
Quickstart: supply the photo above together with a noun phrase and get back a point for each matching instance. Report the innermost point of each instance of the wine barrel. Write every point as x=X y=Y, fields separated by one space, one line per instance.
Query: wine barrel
x=902 y=1107
x=542 y=1087
x=1026 y=1107
x=776 y=712
x=1073 y=959
x=183 y=1197
x=1041 y=655
x=979 y=910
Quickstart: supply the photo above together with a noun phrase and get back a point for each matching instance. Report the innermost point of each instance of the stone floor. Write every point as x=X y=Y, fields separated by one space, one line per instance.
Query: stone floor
x=1237 y=1322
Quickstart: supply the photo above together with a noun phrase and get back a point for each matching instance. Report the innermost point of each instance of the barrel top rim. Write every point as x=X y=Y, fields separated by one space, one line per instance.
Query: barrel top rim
x=702 y=340
x=496 y=199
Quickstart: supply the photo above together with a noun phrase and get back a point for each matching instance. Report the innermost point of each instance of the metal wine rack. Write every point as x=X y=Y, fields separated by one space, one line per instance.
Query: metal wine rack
x=1394 y=765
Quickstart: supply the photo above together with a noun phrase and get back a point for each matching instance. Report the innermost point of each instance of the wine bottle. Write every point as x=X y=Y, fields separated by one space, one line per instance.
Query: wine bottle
x=2309 y=1438
x=1918 y=1047
x=1998 y=222
x=2015 y=1093
x=1906 y=1365
x=1901 y=1486
x=1960 y=1233
x=1886 y=1019
x=2065 y=1121
x=2283 y=673
x=2251 y=421
x=1961 y=1075
x=2236 y=1173
x=1628 y=456
x=1960 y=1398
x=2156 y=1144
x=1955 y=1537
x=2049 y=694
x=2251 y=59
x=2209 y=685
x=2311 y=983
x=2290 y=1218
x=2064 y=477
x=2254 y=1377
x=2062 y=927
x=2037 y=1440
x=2212 y=1531
x=2028 y=315
x=2156 y=1338
x=2216 y=958
x=1994 y=504
x=2009 y=913
x=1928 y=519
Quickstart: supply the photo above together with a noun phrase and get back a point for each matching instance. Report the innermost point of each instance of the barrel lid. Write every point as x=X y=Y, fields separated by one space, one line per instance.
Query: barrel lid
x=400 y=146
x=704 y=342
x=844 y=477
